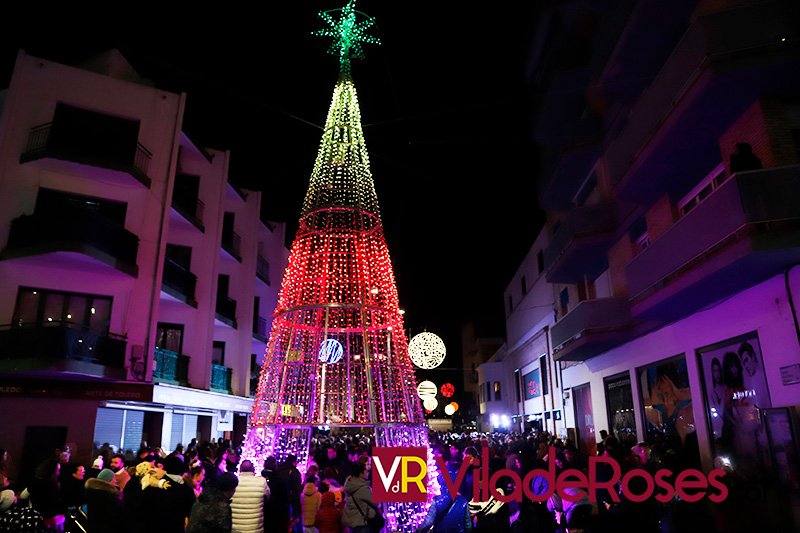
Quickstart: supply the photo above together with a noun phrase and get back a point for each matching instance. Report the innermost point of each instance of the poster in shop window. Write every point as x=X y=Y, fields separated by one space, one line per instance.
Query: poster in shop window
x=667 y=399
x=735 y=389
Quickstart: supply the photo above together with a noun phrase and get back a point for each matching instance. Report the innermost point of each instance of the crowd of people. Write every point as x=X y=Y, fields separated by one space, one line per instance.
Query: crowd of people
x=206 y=489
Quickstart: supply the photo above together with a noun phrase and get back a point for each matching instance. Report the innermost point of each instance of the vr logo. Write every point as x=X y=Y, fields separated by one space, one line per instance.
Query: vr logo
x=410 y=484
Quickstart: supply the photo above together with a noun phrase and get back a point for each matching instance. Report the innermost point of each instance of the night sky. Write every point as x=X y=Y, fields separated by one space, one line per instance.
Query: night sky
x=446 y=112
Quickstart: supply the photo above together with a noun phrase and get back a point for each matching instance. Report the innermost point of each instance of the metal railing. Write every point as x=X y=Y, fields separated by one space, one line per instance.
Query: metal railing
x=72 y=224
x=221 y=378
x=39 y=144
x=188 y=204
x=62 y=340
x=179 y=278
x=262 y=269
x=260 y=326
x=226 y=307
x=232 y=243
x=171 y=367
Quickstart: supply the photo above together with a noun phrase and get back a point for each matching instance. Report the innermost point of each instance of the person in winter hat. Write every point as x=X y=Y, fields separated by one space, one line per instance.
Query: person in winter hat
x=329 y=516
x=309 y=503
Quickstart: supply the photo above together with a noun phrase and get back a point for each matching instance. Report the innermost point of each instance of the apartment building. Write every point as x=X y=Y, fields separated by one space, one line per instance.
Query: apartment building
x=672 y=142
x=134 y=276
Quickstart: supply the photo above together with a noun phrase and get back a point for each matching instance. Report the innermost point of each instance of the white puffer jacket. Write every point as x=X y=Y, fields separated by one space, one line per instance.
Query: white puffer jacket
x=247 y=505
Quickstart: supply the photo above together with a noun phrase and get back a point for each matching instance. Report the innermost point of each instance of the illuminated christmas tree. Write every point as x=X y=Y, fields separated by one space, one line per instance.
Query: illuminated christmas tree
x=338 y=354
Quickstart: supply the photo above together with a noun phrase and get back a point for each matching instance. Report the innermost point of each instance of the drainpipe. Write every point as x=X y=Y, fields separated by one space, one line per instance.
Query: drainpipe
x=155 y=288
x=791 y=300
x=550 y=377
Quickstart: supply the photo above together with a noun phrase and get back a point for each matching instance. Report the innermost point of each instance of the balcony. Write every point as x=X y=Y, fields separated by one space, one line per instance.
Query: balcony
x=226 y=311
x=221 y=378
x=75 y=146
x=569 y=170
x=189 y=206
x=743 y=233
x=232 y=244
x=724 y=62
x=171 y=367
x=62 y=347
x=179 y=282
x=591 y=328
x=260 y=329
x=580 y=245
x=262 y=269
x=254 y=377
x=73 y=230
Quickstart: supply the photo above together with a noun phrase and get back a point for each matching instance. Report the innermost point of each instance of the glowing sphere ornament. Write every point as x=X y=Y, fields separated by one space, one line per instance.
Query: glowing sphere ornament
x=448 y=390
x=455 y=406
x=449 y=410
x=426 y=389
x=330 y=351
x=427 y=350
x=430 y=403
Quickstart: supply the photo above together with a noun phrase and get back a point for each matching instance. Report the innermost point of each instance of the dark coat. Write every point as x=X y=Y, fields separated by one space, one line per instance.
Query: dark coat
x=211 y=513
x=103 y=506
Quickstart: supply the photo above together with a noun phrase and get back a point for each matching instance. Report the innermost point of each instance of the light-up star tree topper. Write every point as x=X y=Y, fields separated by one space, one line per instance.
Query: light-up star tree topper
x=338 y=353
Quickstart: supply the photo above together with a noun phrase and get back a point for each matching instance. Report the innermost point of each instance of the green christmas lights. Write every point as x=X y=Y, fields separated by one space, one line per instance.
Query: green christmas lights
x=348 y=34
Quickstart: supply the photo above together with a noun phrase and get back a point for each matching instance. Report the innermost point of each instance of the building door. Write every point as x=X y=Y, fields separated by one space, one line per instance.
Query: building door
x=40 y=444
x=584 y=419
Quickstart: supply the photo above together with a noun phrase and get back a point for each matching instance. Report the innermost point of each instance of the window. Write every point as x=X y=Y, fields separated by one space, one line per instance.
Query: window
x=510 y=303
x=49 y=201
x=586 y=190
x=218 y=353
x=38 y=306
x=707 y=185
x=93 y=134
x=180 y=255
x=488 y=391
x=564 y=299
x=524 y=286
x=643 y=241
x=169 y=337
x=540 y=261
x=543 y=367
x=497 y=395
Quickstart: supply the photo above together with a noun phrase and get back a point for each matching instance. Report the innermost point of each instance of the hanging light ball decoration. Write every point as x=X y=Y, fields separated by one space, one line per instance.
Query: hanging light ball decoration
x=330 y=351
x=454 y=405
x=426 y=389
x=427 y=350
x=430 y=403
x=448 y=390
x=449 y=410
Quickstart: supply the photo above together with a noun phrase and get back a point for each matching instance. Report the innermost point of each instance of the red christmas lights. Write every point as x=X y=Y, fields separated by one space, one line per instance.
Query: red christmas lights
x=339 y=286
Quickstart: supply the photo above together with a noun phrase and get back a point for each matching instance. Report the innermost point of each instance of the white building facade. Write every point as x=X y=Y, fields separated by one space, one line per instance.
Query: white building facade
x=130 y=267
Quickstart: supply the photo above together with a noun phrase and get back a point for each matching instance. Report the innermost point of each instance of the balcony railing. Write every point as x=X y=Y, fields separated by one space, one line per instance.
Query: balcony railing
x=592 y=327
x=254 y=376
x=262 y=269
x=579 y=246
x=62 y=340
x=743 y=228
x=260 y=327
x=226 y=309
x=189 y=206
x=179 y=279
x=171 y=367
x=40 y=146
x=63 y=230
x=232 y=243
x=221 y=378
